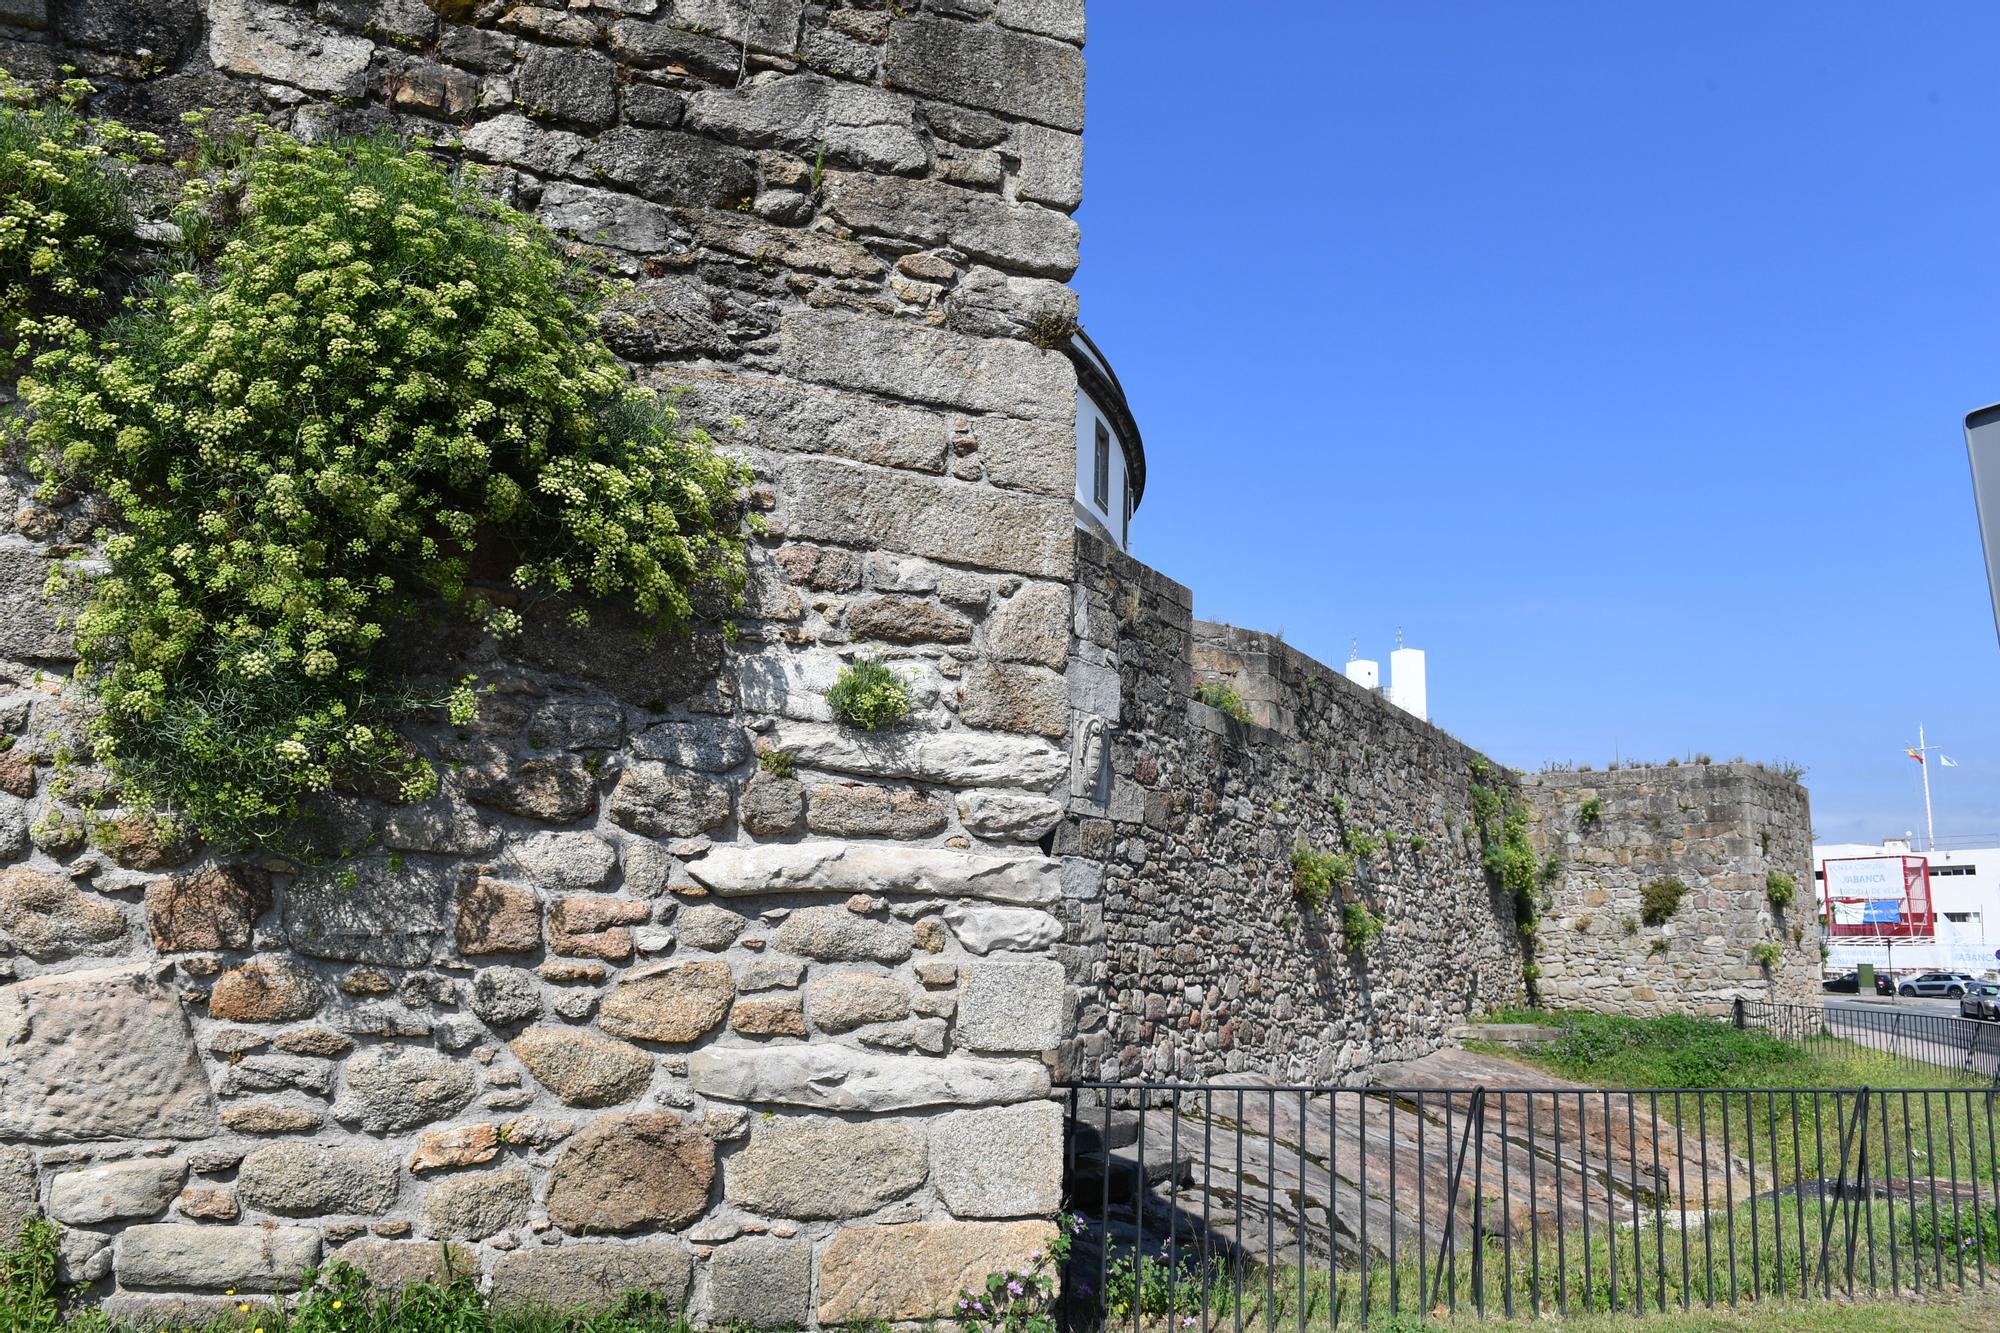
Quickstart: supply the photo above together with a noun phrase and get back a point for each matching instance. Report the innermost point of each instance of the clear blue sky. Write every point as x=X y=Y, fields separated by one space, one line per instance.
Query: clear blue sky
x=1616 y=351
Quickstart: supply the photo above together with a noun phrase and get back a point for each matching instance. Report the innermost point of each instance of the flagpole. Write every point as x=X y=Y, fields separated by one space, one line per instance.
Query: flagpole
x=1930 y=830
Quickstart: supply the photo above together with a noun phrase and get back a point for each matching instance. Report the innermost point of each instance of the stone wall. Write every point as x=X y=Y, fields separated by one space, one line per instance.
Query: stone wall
x=1719 y=829
x=618 y=1009
x=1193 y=954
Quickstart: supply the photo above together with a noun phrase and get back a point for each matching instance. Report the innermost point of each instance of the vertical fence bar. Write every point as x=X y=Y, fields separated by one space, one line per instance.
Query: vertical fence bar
x=1819 y=1189
x=1271 y=1211
x=1638 y=1209
x=1951 y=1159
x=1930 y=1170
x=1798 y=1192
x=1583 y=1189
x=1910 y=1191
x=1534 y=1218
x=1610 y=1205
x=1477 y=1125
x=1423 y=1206
x=1236 y=1265
x=1865 y=1174
x=1361 y=1199
x=1562 y=1221
x=1448 y=1248
x=1681 y=1193
x=1139 y=1223
x=1777 y=1197
x=1659 y=1205
x=1065 y=1309
x=1729 y=1196
x=1173 y=1206
x=1208 y=1192
x=1395 y=1275
x=1973 y=1173
x=1305 y=1109
x=1333 y=1203
x=1104 y=1217
x=1506 y=1215
x=1750 y=1165
x=1889 y=1192
x=1707 y=1207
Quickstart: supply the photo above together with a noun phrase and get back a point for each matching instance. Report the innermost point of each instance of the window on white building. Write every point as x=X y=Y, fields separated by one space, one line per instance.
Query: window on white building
x=1100 y=484
x=1939 y=872
x=1962 y=918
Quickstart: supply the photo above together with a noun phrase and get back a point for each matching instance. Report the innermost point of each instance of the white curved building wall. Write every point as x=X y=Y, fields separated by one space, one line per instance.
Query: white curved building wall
x=1103 y=487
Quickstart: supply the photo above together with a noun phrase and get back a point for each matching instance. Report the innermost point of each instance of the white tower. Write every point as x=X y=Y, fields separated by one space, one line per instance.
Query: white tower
x=1409 y=688
x=1363 y=671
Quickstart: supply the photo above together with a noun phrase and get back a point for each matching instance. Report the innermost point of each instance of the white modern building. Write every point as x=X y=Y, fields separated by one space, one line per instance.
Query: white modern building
x=1868 y=924
x=1110 y=457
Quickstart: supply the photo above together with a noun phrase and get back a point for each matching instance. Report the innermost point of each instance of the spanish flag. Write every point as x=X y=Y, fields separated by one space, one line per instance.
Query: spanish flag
x=1914 y=755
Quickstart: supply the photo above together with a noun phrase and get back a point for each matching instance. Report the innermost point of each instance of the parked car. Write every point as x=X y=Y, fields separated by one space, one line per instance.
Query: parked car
x=1981 y=1000
x=1949 y=984
x=1849 y=983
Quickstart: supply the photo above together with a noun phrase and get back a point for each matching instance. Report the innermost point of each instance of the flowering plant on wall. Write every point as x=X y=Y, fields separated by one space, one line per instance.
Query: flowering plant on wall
x=1020 y=1300
x=370 y=393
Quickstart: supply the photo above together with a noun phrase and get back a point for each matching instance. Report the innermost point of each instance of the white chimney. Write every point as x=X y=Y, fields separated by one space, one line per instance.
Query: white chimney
x=1409 y=689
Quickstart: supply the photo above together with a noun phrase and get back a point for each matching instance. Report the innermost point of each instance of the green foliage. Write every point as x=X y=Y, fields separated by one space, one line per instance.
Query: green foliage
x=1962 y=1231
x=1591 y=813
x=63 y=204
x=303 y=445
x=1660 y=899
x=1660 y=947
x=1780 y=889
x=1418 y=842
x=1316 y=874
x=1020 y=1300
x=778 y=763
x=30 y=1301
x=1672 y=1050
x=1155 y=1288
x=1365 y=846
x=1224 y=699
x=1767 y=953
x=869 y=695
x=1359 y=924
x=337 y=1299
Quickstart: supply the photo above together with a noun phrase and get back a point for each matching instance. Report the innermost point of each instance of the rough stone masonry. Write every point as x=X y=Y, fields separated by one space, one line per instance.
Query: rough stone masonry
x=619 y=1008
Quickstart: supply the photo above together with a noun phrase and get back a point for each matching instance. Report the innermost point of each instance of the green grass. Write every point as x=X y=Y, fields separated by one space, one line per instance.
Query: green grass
x=1780 y=1107
x=1762 y=1278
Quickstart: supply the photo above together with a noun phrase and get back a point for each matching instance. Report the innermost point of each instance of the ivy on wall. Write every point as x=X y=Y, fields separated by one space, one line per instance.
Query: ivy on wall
x=362 y=382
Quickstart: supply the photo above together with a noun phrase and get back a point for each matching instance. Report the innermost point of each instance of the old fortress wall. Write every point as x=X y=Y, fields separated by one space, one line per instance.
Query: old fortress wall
x=621 y=1007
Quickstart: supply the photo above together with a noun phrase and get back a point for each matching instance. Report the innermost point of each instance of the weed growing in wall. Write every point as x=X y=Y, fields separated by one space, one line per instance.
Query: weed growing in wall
x=1359 y=924
x=1020 y=1300
x=1591 y=813
x=1766 y=953
x=778 y=763
x=1223 y=699
x=1365 y=846
x=869 y=695
x=304 y=436
x=1316 y=875
x=1660 y=899
x=1780 y=889
x=1508 y=855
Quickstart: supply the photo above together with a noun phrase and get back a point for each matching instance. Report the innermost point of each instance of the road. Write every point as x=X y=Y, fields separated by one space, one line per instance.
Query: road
x=1929 y=1030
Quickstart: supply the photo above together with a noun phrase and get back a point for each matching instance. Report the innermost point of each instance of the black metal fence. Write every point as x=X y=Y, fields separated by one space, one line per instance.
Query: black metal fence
x=1943 y=1041
x=1232 y=1204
